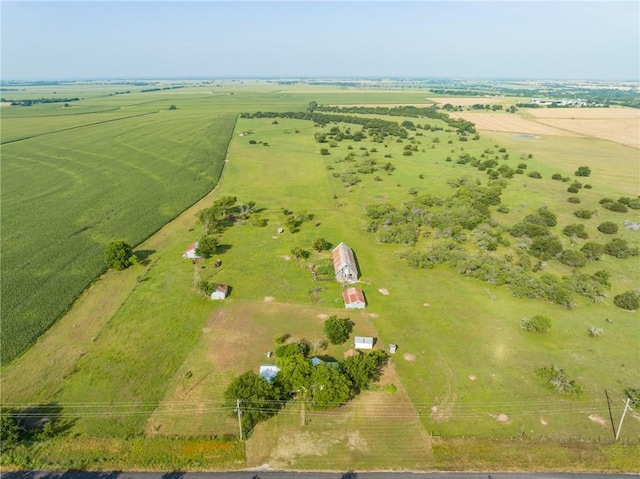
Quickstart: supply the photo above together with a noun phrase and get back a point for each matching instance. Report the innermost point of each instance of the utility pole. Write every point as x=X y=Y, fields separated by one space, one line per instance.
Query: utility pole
x=239 y=411
x=626 y=406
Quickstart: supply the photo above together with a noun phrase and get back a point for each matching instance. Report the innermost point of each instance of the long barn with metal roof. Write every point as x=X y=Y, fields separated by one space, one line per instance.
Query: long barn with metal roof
x=344 y=264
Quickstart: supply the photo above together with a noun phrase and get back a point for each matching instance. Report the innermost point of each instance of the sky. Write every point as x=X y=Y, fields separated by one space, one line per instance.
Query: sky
x=348 y=39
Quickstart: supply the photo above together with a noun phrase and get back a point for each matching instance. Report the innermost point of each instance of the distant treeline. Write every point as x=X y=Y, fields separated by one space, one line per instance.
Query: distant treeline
x=461 y=126
x=163 y=88
x=34 y=101
x=462 y=92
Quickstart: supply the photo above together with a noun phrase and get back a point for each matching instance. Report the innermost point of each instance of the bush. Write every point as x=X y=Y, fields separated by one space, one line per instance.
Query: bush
x=592 y=251
x=608 y=228
x=634 y=204
x=575 y=230
x=595 y=332
x=587 y=186
x=556 y=176
x=537 y=324
x=619 y=248
x=572 y=189
x=584 y=214
x=573 y=199
x=324 y=151
x=629 y=300
x=617 y=207
x=583 y=171
x=534 y=174
x=557 y=379
x=281 y=338
x=572 y=258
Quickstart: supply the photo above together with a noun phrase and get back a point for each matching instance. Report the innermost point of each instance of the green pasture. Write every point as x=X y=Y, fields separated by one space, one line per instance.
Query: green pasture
x=469 y=370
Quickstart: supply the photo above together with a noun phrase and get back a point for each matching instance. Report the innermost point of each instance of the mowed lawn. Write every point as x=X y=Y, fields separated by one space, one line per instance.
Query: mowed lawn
x=463 y=361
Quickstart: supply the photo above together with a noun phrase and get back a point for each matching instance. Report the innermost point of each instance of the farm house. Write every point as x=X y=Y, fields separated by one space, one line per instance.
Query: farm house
x=353 y=298
x=363 y=342
x=344 y=264
x=190 y=252
x=220 y=292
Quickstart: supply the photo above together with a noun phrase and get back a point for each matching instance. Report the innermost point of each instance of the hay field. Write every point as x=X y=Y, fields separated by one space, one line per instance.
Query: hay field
x=621 y=125
x=511 y=123
x=467 y=101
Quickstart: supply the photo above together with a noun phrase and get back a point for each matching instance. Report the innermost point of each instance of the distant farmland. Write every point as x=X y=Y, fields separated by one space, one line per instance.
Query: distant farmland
x=81 y=181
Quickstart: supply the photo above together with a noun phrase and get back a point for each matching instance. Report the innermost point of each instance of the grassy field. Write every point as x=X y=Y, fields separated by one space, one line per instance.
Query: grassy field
x=464 y=367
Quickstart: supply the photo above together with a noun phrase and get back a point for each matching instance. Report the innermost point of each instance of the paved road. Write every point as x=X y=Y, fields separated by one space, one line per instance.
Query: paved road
x=255 y=474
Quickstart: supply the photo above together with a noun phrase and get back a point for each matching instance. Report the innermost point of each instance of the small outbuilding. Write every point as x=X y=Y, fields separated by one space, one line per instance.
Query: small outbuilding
x=363 y=342
x=190 y=252
x=268 y=371
x=353 y=298
x=393 y=348
x=317 y=361
x=220 y=292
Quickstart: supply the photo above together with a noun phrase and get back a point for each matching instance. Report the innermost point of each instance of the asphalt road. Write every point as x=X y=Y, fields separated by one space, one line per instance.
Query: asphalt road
x=258 y=474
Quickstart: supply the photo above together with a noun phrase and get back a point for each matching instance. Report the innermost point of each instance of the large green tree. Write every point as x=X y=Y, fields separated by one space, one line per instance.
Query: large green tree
x=118 y=255
x=330 y=386
x=337 y=329
x=259 y=400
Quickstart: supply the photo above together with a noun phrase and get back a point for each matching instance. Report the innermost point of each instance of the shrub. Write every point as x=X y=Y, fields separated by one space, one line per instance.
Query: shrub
x=573 y=199
x=537 y=324
x=572 y=258
x=556 y=176
x=324 y=151
x=572 y=189
x=619 y=248
x=595 y=332
x=557 y=379
x=608 y=228
x=281 y=338
x=502 y=209
x=587 y=186
x=523 y=166
x=584 y=214
x=583 y=171
x=592 y=251
x=534 y=174
x=617 y=207
x=634 y=204
x=575 y=230
x=629 y=300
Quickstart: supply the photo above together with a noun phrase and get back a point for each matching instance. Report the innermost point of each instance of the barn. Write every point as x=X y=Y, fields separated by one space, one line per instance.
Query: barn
x=344 y=264
x=353 y=298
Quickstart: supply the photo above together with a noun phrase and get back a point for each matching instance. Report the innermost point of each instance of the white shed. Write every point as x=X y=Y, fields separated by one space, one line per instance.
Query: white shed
x=220 y=292
x=190 y=252
x=363 y=342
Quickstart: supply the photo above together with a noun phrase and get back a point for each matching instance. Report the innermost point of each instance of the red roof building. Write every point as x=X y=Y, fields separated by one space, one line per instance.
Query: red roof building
x=353 y=298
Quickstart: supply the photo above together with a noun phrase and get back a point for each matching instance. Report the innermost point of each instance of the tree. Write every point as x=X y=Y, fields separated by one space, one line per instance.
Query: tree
x=291 y=223
x=337 y=329
x=572 y=258
x=363 y=368
x=118 y=255
x=207 y=246
x=330 y=386
x=320 y=244
x=9 y=431
x=576 y=231
x=295 y=373
x=583 y=171
x=545 y=247
x=173 y=107
x=629 y=300
x=619 y=248
x=259 y=400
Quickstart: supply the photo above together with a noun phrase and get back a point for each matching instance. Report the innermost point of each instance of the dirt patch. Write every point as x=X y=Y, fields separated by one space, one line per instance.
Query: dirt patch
x=384 y=291
x=409 y=357
x=356 y=442
x=597 y=419
x=301 y=444
x=503 y=418
x=287 y=258
x=206 y=330
x=268 y=299
x=323 y=316
x=426 y=305
x=544 y=422
x=350 y=352
x=373 y=315
x=473 y=377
